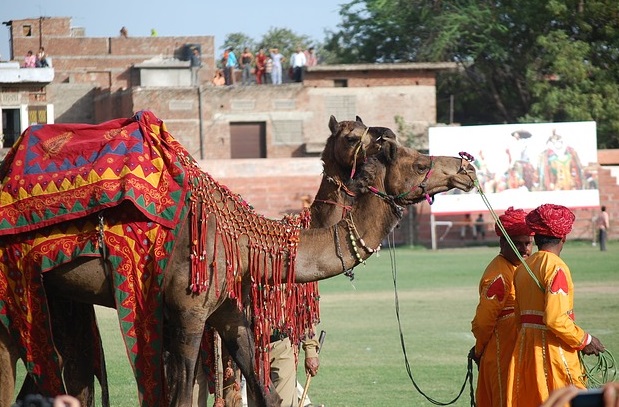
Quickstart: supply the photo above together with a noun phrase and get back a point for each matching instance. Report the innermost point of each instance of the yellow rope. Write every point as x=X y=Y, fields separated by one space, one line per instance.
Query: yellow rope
x=509 y=240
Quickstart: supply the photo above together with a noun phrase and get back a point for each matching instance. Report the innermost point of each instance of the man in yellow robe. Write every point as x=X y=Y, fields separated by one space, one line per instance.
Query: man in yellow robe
x=545 y=357
x=494 y=325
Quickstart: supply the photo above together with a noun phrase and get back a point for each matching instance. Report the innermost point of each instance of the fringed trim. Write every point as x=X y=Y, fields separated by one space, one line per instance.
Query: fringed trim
x=276 y=305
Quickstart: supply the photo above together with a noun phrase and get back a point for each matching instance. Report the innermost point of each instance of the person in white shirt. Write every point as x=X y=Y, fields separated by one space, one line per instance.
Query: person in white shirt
x=298 y=62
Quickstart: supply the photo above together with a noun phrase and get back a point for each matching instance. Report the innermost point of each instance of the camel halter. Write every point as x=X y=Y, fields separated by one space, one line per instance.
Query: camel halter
x=423 y=185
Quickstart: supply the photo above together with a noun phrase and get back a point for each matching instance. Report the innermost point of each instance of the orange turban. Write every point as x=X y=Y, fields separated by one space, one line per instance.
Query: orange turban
x=513 y=221
x=551 y=220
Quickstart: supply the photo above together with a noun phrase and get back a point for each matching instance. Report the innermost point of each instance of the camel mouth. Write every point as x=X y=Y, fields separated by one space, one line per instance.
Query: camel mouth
x=464 y=182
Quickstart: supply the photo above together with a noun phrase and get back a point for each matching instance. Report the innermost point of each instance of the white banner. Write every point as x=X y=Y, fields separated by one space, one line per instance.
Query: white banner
x=522 y=165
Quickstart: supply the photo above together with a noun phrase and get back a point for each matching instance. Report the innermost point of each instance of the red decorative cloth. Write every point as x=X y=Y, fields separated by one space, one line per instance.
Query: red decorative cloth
x=514 y=223
x=551 y=220
x=60 y=172
x=559 y=283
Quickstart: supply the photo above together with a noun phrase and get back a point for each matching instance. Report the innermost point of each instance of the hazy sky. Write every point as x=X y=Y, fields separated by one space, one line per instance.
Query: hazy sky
x=178 y=17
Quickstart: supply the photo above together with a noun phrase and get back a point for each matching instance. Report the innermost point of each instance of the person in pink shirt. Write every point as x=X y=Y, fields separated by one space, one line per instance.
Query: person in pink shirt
x=30 y=60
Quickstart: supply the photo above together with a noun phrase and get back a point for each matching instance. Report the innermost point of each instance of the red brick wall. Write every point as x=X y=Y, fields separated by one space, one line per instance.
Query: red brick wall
x=102 y=61
x=371 y=78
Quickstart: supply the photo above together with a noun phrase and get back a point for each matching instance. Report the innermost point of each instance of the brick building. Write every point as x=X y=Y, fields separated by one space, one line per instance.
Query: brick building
x=261 y=141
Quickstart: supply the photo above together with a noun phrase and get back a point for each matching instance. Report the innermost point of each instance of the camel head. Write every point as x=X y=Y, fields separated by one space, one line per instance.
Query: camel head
x=349 y=145
x=404 y=176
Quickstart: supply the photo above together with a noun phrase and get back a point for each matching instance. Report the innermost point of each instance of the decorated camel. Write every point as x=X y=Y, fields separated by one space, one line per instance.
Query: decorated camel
x=222 y=246
x=346 y=150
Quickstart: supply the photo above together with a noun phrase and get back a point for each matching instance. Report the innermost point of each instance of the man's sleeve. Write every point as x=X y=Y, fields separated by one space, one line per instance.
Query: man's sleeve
x=310 y=346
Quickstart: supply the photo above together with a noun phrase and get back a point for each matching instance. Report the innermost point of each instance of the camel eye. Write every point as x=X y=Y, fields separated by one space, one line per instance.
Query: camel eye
x=352 y=139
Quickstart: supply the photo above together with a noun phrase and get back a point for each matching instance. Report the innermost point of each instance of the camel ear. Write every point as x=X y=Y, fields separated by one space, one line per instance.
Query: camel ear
x=390 y=149
x=359 y=119
x=333 y=124
x=388 y=133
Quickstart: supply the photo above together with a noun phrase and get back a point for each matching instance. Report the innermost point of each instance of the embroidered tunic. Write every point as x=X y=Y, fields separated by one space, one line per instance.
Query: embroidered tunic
x=545 y=357
x=494 y=328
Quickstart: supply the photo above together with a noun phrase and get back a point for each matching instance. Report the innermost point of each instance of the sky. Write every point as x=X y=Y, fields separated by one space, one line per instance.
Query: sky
x=179 y=17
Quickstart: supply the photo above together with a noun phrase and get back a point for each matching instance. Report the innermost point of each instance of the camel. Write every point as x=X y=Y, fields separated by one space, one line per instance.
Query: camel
x=389 y=180
x=350 y=143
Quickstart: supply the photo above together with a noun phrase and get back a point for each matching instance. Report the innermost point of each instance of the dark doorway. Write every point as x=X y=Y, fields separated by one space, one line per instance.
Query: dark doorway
x=248 y=140
x=10 y=126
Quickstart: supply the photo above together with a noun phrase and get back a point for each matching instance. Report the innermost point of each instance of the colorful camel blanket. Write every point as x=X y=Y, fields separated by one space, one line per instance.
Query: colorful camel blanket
x=137 y=249
x=60 y=172
x=58 y=183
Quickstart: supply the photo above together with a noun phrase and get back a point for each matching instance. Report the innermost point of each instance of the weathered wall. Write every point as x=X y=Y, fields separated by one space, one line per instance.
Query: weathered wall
x=103 y=62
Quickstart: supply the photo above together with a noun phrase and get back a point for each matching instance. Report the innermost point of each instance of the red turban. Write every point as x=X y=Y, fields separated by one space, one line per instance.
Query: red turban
x=513 y=221
x=551 y=220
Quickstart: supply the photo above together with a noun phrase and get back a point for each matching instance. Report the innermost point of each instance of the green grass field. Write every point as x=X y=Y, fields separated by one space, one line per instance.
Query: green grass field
x=362 y=362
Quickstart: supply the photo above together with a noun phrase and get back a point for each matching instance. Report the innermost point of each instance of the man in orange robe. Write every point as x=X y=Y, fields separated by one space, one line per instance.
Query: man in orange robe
x=494 y=325
x=545 y=357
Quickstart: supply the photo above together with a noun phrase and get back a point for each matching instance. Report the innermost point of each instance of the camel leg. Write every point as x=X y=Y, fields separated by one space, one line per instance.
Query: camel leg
x=71 y=327
x=182 y=333
x=237 y=338
x=9 y=355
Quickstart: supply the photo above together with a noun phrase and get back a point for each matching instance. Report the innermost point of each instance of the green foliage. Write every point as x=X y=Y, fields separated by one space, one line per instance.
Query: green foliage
x=238 y=41
x=362 y=362
x=521 y=60
x=414 y=137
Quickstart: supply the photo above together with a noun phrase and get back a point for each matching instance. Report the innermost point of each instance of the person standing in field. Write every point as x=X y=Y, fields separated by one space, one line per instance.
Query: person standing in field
x=603 y=223
x=494 y=325
x=545 y=357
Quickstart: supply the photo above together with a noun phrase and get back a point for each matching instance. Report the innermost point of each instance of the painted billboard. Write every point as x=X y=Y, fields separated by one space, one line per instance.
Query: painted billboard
x=522 y=165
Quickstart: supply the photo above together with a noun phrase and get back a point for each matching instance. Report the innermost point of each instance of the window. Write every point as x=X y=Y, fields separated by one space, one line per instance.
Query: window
x=340 y=83
x=27 y=30
x=248 y=140
x=37 y=115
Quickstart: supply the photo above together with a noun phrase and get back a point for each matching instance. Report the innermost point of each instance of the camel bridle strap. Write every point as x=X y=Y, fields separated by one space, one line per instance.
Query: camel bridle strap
x=424 y=184
x=341 y=186
x=361 y=146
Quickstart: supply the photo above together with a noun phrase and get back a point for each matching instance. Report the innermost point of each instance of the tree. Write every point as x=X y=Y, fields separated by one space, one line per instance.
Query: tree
x=521 y=60
x=285 y=40
x=238 y=41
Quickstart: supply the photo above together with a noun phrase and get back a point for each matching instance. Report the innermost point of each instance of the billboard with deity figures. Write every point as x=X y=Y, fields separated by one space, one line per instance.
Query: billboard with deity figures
x=522 y=165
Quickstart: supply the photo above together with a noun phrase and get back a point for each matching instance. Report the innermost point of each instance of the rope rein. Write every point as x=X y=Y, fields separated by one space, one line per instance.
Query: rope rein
x=469 y=368
x=468 y=378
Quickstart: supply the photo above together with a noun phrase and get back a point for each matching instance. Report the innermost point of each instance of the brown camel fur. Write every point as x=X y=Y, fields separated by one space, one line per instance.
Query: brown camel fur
x=395 y=173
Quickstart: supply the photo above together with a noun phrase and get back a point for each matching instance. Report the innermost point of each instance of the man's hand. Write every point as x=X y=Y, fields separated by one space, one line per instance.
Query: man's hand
x=594 y=348
x=474 y=357
x=310 y=346
x=311 y=365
